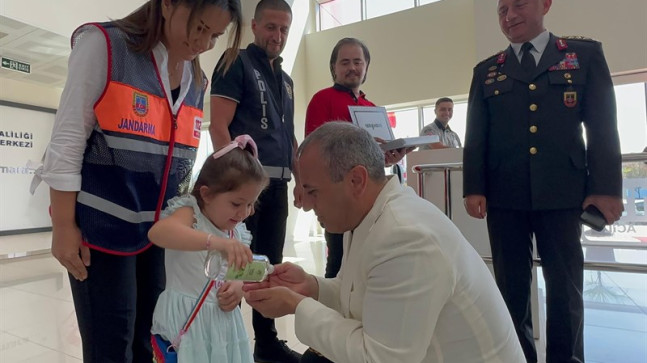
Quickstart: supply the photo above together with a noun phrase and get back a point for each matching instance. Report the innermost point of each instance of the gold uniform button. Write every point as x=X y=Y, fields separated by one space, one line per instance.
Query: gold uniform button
x=496 y=92
x=533 y=150
x=532 y=86
x=533 y=107
x=533 y=129
x=567 y=75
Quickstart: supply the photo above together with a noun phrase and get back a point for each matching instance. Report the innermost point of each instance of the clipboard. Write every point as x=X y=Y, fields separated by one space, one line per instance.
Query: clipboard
x=375 y=120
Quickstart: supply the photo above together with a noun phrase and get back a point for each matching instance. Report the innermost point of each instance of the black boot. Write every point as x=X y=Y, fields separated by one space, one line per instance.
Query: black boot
x=275 y=351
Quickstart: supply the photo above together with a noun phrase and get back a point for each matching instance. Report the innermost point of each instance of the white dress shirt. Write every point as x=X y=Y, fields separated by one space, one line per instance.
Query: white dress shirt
x=539 y=43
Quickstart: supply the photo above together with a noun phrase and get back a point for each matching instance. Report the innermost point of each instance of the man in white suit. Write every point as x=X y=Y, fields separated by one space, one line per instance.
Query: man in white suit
x=411 y=288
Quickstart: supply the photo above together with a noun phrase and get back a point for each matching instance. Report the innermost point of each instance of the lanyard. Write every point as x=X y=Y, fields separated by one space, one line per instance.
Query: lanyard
x=201 y=299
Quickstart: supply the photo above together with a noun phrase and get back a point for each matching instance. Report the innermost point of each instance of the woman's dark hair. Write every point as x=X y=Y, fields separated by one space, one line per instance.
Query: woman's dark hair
x=146 y=27
x=228 y=173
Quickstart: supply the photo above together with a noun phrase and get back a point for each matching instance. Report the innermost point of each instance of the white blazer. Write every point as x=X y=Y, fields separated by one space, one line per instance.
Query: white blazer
x=411 y=289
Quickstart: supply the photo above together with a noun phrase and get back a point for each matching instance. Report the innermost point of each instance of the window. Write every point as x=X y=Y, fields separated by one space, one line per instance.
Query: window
x=406 y=123
x=339 y=12
x=375 y=8
x=204 y=150
x=334 y=13
x=632 y=116
x=425 y=2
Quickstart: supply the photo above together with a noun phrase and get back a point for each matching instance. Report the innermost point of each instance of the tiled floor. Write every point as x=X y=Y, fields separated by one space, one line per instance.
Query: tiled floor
x=37 y=321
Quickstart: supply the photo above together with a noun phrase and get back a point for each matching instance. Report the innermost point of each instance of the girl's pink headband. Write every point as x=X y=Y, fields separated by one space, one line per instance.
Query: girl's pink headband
x=242 y=142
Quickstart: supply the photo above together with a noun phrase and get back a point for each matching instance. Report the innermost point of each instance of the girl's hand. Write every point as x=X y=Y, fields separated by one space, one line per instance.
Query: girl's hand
x=238 y=254
x=229 y=295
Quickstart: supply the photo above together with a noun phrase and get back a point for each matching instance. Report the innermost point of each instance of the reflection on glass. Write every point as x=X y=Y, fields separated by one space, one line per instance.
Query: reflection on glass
x=615 y=315
x=375 y=8
x=339 y=12
x=626 y=240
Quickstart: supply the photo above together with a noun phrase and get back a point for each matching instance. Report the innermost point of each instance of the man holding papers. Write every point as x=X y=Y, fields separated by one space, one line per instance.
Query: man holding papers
x=349 y=63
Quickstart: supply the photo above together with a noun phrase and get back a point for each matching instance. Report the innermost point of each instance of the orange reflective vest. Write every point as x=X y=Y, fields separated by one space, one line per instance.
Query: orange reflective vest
x=139 y=154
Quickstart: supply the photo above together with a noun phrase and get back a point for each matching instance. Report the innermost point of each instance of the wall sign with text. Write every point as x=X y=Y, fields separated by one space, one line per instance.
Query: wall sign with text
x=25 y=132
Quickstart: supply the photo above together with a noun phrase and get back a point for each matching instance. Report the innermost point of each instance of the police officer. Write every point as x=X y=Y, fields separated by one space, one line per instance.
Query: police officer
x=527 y=167
x=255 y=97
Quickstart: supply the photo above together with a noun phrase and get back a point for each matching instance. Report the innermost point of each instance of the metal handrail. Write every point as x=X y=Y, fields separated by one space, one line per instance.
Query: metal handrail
x=456 y=166
x=424 y=168
x=616 y=245
x=596 y=266
x=447 y=168
x=634 y=157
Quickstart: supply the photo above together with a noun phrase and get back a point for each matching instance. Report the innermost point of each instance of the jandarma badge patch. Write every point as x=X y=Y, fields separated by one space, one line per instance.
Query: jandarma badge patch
x=140 y=104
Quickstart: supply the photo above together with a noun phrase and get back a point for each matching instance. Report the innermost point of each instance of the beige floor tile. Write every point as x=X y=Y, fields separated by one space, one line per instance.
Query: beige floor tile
x=37 y=320
x=15 y=349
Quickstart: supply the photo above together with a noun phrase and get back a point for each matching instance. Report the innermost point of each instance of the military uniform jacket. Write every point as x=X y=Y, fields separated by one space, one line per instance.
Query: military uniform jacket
x=524 y=148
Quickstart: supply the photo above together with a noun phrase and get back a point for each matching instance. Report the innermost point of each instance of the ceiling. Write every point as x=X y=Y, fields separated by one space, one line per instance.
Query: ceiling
x=46 y=52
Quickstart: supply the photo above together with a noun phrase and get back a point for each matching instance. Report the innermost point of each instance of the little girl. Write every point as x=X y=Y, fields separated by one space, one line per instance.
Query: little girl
x=209 y=219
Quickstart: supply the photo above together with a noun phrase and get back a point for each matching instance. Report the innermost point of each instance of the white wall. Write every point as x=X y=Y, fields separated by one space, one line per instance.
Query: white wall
x=621 y=26
x=63 y=16
x=28 y=93
x=429 y=52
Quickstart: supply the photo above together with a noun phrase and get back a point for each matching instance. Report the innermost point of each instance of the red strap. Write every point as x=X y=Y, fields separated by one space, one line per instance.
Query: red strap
x=198 y=305
x=196 y=308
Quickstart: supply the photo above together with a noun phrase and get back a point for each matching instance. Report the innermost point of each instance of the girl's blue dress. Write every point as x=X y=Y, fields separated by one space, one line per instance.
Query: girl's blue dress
x=215 y=336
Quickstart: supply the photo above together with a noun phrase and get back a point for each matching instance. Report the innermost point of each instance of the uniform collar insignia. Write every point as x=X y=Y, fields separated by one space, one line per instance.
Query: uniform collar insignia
x=561 y=44
x=501 y=58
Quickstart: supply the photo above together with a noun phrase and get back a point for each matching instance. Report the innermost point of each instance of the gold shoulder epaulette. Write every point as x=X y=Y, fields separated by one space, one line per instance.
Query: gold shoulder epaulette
x=578 y=37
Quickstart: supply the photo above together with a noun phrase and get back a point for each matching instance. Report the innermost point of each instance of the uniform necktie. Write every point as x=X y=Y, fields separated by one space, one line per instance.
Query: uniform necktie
x=527 y=59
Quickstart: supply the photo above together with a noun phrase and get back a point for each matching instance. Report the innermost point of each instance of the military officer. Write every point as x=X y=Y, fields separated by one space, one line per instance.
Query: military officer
x=527 y=167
